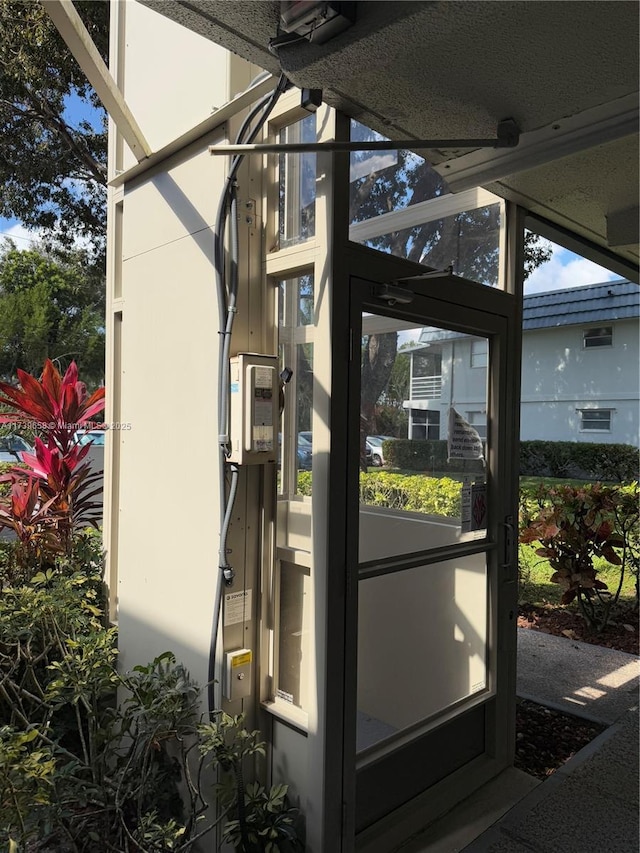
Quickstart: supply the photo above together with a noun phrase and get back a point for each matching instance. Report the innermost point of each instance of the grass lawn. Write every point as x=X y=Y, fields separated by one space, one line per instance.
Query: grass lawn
x=534 y=482
x=536 y=588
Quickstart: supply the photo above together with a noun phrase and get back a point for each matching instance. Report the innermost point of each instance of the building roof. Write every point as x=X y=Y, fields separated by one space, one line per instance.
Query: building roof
x=589 y=304
x=586 y=305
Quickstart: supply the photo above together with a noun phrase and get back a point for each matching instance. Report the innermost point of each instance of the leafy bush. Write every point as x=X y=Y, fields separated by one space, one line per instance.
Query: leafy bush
x=425 y=455
x=429 y=495
x=575 y=525
x=563 y=459
x=261 y=819
x=78 y=771
x=581 y=460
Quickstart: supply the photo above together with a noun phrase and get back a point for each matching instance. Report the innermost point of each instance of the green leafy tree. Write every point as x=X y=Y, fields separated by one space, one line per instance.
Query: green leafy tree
x=463 y=241
x=53 y=172
x=50 y=308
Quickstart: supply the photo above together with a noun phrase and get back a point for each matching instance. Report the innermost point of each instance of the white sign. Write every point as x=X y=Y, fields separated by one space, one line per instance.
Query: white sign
x=474 y=507
x=463 y=441
x=237 y=607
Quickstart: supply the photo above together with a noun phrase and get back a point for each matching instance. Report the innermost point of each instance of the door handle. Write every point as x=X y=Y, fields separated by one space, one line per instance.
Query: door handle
x=509 y=539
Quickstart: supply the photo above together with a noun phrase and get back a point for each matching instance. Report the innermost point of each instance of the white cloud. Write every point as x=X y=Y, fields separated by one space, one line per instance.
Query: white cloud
x=23 y=237
x=566 y=270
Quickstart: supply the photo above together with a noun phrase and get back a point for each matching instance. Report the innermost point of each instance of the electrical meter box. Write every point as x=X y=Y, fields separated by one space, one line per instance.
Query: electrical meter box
x=237 y=675
x=254 y=408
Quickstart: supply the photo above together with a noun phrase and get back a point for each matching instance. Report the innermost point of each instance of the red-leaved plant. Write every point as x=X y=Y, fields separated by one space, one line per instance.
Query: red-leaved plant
x=573 y=525
x=56 y=496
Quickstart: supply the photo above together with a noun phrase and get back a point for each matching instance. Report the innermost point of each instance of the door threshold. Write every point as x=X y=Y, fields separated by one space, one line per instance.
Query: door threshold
x=456 y=829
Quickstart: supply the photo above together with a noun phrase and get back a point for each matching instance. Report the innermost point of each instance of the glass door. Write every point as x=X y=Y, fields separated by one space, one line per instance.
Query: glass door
x=429 y=395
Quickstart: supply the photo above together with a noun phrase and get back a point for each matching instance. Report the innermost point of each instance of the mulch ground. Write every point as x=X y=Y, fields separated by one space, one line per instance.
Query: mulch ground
x=546 y=739
x=620 y=634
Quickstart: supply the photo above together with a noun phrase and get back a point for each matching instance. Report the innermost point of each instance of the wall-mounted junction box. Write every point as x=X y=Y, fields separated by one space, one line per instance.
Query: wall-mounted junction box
x=254 y=412
x=237 y=674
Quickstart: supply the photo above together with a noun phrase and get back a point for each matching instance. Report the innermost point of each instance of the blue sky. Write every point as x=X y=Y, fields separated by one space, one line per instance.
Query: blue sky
x=565 y=269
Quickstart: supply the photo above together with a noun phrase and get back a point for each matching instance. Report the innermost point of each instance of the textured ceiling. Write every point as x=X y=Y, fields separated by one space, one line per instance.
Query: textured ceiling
x=456 y=68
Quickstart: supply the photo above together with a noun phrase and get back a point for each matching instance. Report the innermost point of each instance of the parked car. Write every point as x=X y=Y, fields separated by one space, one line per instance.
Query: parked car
x=374 y=445
x=304 y=454
x=90 y=436
x=305 y=451
x=11 y=446
x=307 y=437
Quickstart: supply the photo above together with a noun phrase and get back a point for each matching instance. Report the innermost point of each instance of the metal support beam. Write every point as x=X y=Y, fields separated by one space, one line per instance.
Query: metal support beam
x=507 y=136
x=73 y=31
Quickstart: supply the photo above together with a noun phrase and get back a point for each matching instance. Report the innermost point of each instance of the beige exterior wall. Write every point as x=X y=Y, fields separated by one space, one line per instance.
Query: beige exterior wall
x=162 y=504
x=172 y=78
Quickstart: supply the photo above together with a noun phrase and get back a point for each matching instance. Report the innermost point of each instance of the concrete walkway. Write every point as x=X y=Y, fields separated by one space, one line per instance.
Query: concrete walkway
x=589 y=681
x=591 y=803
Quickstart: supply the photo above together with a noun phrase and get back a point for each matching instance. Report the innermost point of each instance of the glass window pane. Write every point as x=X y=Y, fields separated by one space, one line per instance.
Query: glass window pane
x=387 y=182
x=596 y=419
x=433 y=490
x=469 y=242
x=382 y=181
x=602 y=337
x=293 y=634
x=401 y=681
x=297 y=185
x=295 y=346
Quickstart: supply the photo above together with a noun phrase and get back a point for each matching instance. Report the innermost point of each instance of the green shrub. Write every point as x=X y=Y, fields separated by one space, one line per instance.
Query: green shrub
x=304 y=483
x=425 y=455
x=582 y=460
x=563 y=459
x=428 y=495
x=577 y=529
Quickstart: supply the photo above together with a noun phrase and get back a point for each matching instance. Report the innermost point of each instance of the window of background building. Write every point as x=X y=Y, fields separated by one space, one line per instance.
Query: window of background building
x=478 y=421
x=599 y=337
x=479 y=353
x=595 y=420
x=425 y=424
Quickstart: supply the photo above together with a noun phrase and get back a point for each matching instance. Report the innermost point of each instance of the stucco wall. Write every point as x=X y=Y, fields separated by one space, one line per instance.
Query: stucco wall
x=559 y=377
x=164 y=514
x=167 y=94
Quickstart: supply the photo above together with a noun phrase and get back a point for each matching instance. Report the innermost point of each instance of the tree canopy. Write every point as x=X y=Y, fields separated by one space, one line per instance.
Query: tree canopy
x=52 y=169
x=50 y=308
x=468 y=241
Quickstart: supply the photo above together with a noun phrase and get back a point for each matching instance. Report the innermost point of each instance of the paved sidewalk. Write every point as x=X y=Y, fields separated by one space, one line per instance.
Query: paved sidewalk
x=589 y=805
x=578 y=678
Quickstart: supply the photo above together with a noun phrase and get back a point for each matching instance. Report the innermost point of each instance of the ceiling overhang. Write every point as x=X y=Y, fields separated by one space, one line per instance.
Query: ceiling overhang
x=566 y=72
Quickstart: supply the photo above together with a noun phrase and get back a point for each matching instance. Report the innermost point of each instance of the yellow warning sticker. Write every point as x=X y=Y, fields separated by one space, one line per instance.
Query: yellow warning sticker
x=241 y=660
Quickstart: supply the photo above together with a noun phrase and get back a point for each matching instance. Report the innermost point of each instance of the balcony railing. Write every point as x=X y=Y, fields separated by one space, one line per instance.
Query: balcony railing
x=426 y=387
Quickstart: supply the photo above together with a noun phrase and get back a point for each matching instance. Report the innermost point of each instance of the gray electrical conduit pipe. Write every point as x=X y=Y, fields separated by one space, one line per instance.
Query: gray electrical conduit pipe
x=227 y=311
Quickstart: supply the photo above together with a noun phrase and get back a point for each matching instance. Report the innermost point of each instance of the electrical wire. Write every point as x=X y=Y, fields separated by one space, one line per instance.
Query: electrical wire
x=226 y=276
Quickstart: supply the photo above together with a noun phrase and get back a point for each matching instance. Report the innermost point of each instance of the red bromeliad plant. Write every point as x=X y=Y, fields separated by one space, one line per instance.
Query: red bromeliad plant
x=574 y=525
x=60 y=478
